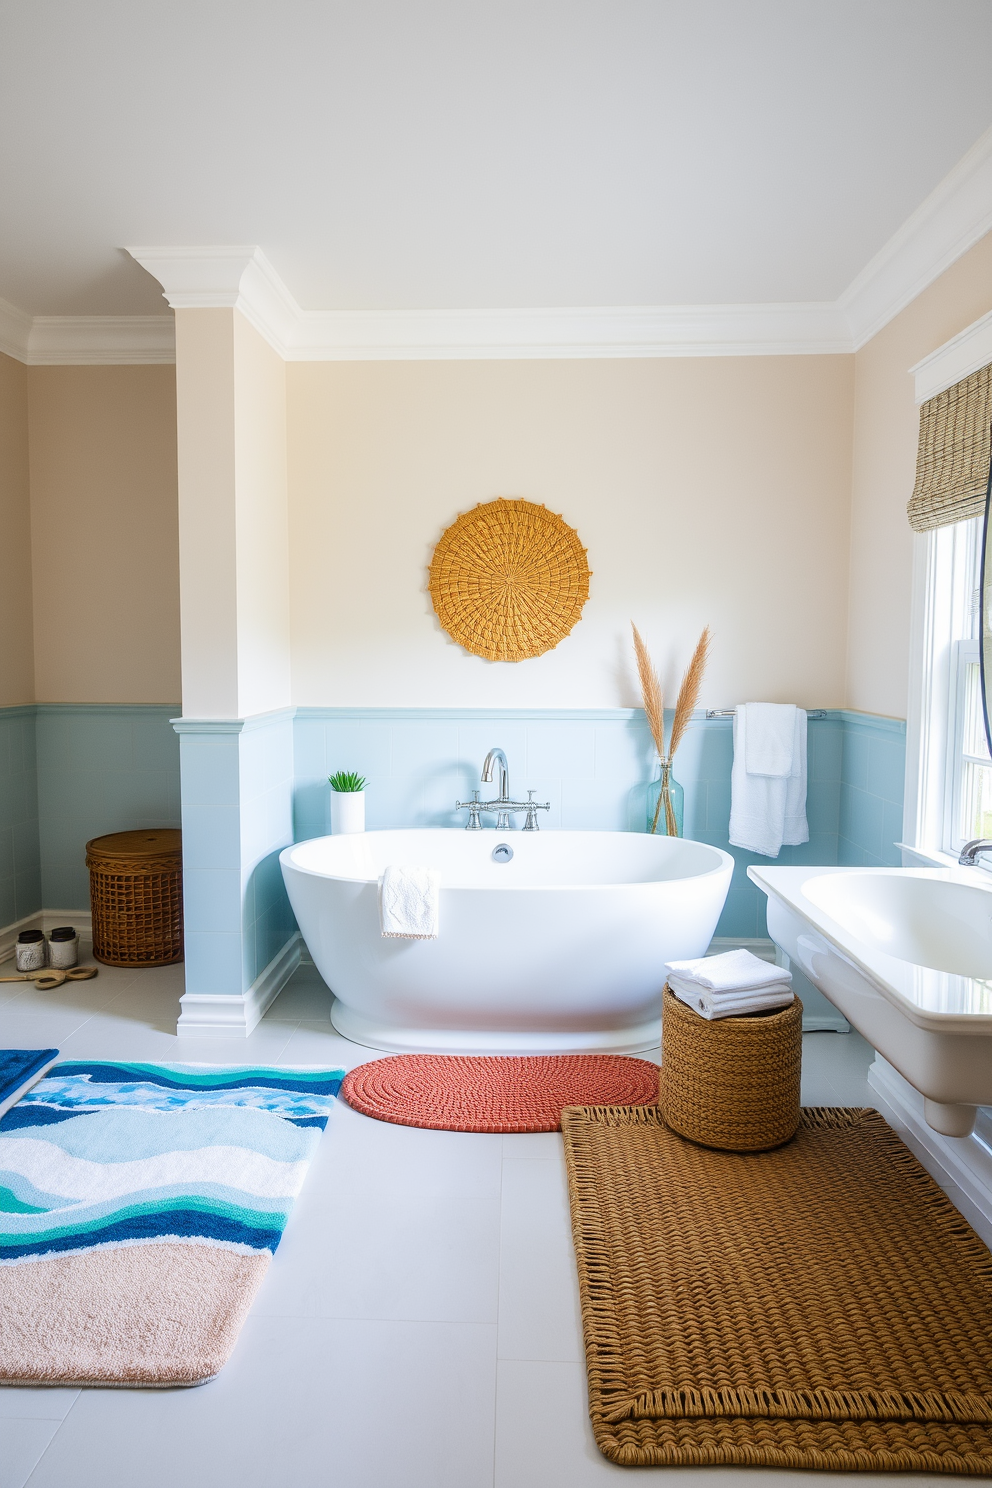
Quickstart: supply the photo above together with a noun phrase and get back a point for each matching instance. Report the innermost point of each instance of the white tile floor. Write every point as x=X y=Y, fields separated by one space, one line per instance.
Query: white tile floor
x=419 y=1326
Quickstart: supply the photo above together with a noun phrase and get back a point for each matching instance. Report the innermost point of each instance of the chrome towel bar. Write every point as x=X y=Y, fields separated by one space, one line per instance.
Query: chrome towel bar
x=729 y=712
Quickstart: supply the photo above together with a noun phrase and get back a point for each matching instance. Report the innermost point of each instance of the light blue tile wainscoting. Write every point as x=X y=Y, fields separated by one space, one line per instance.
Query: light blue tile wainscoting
x=247 y=788
x=20 y=849
x=241 y=938
x=593 y=766
x=871 y=791
x=69 y=772
x=101 y=768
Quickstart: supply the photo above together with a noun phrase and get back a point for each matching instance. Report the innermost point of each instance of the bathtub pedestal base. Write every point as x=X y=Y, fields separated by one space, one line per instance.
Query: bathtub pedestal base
x=395 y=1040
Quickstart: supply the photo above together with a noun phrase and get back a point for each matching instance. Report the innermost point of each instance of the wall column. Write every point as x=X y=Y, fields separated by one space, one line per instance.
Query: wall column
x=236 y=732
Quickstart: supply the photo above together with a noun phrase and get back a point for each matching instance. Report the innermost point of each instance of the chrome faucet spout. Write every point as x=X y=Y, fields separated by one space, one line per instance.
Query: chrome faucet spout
x=970 y=852
x=497 y=757
x=503 y=806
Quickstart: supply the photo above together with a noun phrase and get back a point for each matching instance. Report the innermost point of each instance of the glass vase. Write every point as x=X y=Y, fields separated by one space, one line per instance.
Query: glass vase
x=666 y=803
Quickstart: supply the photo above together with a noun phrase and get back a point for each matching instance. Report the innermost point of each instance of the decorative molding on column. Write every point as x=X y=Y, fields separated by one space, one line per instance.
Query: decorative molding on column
x=232 y=725
x=207 y=1014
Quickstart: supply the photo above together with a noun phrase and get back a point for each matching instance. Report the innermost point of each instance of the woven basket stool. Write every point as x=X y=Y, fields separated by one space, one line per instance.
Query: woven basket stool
x=732 y=1083
x=136 y=893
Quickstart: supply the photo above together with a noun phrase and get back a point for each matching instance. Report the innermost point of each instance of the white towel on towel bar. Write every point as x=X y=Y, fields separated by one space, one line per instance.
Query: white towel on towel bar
x=408 y=902
x=770 y=743
x=767 y=811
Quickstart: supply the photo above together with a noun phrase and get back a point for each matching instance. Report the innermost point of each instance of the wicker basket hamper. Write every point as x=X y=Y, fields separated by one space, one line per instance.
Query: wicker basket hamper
x=136 y=893
x=732 y=1083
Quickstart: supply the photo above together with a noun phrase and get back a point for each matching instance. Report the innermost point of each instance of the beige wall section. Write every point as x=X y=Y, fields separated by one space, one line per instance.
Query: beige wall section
x=104 y=536
x=262 y=523
x=16 y=645
x=705 y=490
x=205 y=416
x=885 y=438
x=232 y=517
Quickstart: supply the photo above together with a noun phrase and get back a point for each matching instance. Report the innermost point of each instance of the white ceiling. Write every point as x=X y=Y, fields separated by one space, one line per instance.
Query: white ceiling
x=400 y=154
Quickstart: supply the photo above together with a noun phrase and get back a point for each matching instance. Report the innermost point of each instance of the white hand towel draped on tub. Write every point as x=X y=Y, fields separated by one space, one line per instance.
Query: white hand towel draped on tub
x=408 y=902
x=768 y=781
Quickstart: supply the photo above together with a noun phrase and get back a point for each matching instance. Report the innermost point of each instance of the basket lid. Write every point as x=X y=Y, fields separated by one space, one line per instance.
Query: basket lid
x=151 y=842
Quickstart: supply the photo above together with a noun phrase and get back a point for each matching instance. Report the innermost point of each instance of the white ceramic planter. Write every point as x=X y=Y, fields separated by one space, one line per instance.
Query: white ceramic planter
x=347 y=812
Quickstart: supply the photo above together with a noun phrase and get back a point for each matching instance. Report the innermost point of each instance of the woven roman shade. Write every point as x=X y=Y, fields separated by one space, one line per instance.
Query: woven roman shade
x=952 y=465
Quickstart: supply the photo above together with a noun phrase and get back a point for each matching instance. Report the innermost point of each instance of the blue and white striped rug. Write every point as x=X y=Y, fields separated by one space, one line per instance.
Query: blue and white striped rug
x=140 y=1205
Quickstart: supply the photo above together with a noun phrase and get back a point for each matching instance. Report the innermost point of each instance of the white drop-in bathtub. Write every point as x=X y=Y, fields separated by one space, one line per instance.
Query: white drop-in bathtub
x=561 y=949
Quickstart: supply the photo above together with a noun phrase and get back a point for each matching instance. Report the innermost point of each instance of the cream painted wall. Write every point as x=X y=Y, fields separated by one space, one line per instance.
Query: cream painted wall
x=16 y=643
x=886 y=426
x=233 y=517
x=207 y=550
x=262 y=523
x=705 y=490
x=104 y=539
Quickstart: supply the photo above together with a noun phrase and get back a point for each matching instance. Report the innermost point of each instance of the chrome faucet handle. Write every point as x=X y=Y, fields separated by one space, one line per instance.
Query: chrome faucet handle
x=474 y=809
x=533 y=807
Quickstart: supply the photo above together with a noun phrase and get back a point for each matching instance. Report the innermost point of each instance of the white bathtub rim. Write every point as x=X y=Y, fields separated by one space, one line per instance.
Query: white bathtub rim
x=391 y=1038
x=724 y=861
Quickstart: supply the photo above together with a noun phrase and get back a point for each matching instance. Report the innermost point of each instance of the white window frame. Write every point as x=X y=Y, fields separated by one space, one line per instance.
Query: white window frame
x=943 y=600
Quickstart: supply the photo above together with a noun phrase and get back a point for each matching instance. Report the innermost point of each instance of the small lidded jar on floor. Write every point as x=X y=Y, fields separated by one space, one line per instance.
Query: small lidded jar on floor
x=30 y=950
x=63 y=947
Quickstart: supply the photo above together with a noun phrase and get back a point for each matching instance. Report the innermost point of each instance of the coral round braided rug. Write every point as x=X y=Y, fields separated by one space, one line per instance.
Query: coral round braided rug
x=496 y=1093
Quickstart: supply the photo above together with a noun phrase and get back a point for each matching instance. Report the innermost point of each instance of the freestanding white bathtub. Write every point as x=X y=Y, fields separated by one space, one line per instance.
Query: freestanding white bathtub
x=560 y=949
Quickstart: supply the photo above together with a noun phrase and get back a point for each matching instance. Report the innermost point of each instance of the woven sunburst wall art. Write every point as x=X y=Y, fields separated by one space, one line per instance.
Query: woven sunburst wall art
x=509 y=579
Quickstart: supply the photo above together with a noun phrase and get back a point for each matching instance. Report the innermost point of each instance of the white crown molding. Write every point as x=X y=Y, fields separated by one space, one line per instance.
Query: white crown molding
x=957 y=358
x=625 y=331
x=243 y=278
x=86 y=340
x=949 y=222
x=101 y=340
x=15 y=331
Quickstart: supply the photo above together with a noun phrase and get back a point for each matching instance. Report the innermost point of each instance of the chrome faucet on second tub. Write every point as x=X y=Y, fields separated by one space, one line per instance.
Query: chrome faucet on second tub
x=502 y=805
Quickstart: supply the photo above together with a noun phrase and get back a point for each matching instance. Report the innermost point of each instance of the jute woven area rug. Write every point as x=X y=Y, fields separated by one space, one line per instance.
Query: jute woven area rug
x=819 y=1306
x=140 y=1205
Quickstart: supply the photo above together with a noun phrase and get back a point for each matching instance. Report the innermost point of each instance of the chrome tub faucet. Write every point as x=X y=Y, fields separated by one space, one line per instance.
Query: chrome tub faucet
x=970 y=852
x=502 y=805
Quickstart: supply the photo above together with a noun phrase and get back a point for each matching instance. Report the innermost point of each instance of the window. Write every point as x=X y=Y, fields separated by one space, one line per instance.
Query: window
x=953 y=800
x=971 y=780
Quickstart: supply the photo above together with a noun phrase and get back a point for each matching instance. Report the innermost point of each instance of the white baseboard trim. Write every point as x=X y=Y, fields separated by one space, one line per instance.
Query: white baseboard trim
x=819 y=1016
x=46 y=921
x=210 y=1014
x=962 y=1166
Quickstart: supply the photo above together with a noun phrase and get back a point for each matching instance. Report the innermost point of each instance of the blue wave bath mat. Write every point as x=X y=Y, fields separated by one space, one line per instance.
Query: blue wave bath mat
x=140 y=1206
x=19 y=1070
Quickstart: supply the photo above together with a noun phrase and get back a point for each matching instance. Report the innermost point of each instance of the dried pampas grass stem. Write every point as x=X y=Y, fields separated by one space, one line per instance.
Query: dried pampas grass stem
x=651 y=693
x=692 y=681
x=654 y=708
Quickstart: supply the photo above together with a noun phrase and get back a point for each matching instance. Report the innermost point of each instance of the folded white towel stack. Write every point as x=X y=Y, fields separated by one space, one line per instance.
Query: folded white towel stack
x=408 y=902
x=736 y=982
x=768 y=780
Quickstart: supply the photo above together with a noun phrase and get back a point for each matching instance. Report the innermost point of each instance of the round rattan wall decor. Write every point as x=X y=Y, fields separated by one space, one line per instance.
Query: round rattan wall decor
x=509 y=579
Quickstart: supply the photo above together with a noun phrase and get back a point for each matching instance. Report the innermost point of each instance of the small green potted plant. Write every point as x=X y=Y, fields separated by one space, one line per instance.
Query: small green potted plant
x=347 y=802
